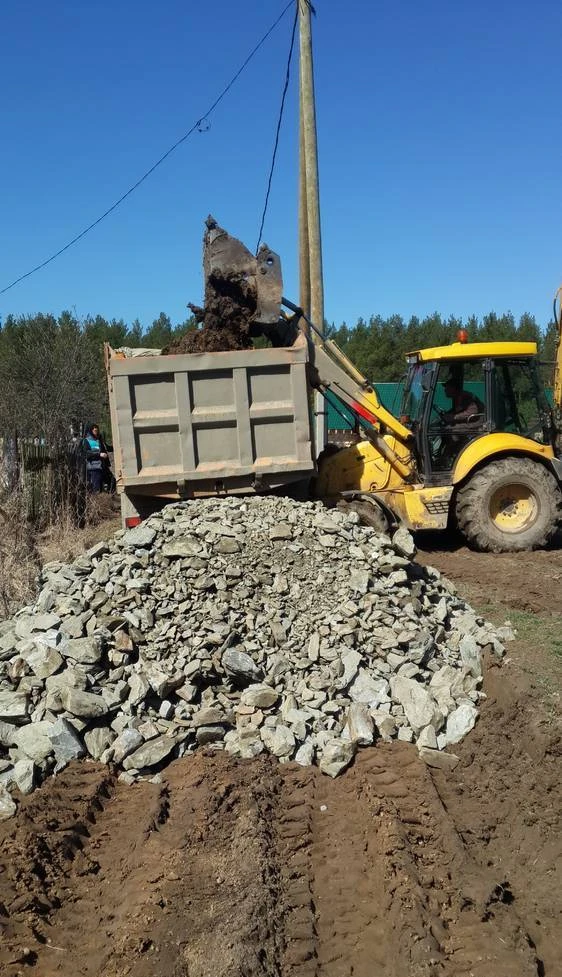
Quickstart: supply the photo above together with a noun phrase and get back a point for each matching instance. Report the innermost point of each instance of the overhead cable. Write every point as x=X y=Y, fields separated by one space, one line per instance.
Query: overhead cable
x=279 y=121
x=197 y=126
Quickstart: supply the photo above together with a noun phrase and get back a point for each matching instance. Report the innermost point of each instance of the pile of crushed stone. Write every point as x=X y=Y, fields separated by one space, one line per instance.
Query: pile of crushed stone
x=247 y=625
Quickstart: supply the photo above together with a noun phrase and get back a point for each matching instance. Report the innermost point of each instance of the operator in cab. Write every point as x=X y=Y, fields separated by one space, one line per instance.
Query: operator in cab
x=465 y=407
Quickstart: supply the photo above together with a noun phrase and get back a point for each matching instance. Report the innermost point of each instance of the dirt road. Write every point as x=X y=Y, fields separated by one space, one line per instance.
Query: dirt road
x=247 y=868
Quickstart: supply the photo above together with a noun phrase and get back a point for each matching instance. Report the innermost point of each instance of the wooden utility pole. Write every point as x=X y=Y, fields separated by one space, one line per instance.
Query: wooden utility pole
x=311 y=287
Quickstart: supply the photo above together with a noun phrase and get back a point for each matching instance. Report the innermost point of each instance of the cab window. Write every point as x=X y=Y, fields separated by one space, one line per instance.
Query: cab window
x=519 y=403
x=459 y=411
x=418 y=386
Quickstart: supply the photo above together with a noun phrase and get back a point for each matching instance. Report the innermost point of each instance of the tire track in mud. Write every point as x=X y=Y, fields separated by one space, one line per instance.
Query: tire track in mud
x=38 y=851
x=252 y=869
x=402 y=897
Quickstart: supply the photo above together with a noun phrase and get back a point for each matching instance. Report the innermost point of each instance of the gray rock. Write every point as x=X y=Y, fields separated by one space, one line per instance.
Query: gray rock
x=445 y=685
x=8 y=733
x=166 y=710
x=419 y=705
x=460 y=722
x=421 y=648
x=7 y=804
x=337 y=754
x=181 y=549
x=359 y=724
x=139 y=687
x=126 y=743
x=350 y=660
x=13 y=706
x=279 y=741
x=439 y=760
x=385 y=724
x=97 y=740
x=25 y=626
x=149 y=730
x=67 y=744
x=359 y=580
x=162 y=682
x=86 y=651
x=8 y=644
x=24 y=776
x=114 y=695
x=368 y=689
x=427 y=738
x=98 y=549
x=245 y=743
x=403 y=543
x=44 y=661
x=209 y=734
x=405 y=734
x=150 y=753
x=470 y=655
x=260 y=696
x=34 y=741
x=73 y=627
x=210 y=716
x=69 y=678
x=240 y=665
x=305 y=754
x=141 y=537
x=83 y=704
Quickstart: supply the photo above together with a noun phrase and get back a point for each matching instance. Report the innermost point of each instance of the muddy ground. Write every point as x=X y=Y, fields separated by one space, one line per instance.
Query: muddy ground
x=247 y=868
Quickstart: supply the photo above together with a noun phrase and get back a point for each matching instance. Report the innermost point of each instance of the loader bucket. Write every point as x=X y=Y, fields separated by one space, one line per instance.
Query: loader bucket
x=230 y=268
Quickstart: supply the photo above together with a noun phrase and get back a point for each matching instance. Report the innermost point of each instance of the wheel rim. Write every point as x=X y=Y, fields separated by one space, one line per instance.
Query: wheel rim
x=513 y=508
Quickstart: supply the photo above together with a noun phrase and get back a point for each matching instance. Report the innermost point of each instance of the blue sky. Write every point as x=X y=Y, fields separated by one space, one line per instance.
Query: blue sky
x=439 y=138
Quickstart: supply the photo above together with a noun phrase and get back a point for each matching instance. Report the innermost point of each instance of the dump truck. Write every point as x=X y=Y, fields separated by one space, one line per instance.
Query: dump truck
x=240 y=421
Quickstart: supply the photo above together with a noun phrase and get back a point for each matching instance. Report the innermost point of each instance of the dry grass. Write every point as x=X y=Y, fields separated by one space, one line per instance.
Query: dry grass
x=24 y=550
x=19 y=560
x=64 y=541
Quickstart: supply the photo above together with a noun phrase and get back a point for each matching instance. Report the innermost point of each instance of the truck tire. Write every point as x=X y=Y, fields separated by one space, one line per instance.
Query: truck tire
x=512 y=504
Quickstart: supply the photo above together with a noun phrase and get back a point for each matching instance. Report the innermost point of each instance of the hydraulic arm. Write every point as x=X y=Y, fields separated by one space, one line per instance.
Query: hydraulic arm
x=331 y=371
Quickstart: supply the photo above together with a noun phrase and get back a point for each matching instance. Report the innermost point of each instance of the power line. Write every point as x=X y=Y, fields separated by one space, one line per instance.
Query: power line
x=196 y=126
x=279 y=121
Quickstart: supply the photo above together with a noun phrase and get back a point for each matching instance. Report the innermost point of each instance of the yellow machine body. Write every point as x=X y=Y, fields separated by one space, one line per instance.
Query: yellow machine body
x=390 y=474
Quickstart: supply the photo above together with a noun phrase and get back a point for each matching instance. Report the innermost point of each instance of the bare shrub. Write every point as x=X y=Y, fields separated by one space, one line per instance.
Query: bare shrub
x=19 y=560
x=62 y=540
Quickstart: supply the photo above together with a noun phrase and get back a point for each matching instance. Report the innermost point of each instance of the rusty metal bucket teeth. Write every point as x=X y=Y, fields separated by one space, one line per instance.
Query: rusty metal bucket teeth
x=225 y=258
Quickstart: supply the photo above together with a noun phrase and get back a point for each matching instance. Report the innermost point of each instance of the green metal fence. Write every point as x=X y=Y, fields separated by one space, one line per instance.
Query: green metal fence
x=390 y=394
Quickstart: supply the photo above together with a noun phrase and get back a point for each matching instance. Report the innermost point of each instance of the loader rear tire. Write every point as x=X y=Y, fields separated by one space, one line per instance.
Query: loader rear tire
x=510 y=505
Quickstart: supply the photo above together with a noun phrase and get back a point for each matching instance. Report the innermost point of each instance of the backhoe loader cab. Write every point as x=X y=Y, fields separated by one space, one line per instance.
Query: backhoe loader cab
x=455 y=395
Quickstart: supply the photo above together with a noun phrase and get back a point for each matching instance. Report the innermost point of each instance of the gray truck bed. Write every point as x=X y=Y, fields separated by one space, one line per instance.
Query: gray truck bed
x=207 y=423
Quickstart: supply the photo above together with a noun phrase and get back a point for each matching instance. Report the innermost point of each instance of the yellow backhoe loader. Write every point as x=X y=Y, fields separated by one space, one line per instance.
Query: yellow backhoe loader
x=477 y=443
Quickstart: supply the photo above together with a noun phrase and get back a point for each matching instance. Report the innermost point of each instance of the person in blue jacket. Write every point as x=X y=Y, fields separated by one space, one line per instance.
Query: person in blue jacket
x=98 y=466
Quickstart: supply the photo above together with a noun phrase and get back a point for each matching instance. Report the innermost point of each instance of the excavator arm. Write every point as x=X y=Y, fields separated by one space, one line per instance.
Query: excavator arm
x=330 y=371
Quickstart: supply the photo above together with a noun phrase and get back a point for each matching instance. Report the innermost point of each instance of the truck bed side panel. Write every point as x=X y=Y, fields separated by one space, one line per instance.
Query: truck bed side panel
x=190 y=418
